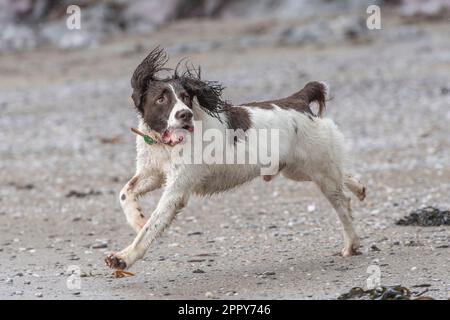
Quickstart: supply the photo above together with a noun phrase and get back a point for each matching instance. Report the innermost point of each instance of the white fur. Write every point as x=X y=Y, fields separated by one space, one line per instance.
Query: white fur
x=311 y=149
x=173 y=122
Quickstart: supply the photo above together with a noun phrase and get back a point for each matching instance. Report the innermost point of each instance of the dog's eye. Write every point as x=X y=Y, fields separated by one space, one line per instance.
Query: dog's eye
x=186 y=99
x=161 y=99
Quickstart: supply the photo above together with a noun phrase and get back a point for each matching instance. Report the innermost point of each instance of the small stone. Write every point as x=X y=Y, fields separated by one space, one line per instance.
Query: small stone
x=18 y=293
x=101 y=245
x=198 y=271
x=197 y=233
x=269 y=273
x=311 y=208
x=9 y=280
x=374 y=248
x=209 y=295
x=39 y=294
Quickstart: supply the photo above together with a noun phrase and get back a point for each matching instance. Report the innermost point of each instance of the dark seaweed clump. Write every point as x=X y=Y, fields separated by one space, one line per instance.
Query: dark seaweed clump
x=426 y=217
x=382 y=293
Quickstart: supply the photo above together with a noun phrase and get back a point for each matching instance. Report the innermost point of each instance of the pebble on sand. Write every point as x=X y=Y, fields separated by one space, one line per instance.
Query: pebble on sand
x=100 y=245
x=198 y=271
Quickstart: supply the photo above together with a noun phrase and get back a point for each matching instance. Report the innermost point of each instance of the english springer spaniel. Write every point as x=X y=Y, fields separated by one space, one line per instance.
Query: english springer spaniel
x=170 y=109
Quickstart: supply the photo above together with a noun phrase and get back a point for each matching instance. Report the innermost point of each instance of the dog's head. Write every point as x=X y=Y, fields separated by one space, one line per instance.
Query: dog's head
x=166 y=105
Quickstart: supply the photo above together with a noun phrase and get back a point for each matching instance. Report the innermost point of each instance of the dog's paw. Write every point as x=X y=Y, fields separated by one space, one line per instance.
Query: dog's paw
x=350 y=251
x=115 y=262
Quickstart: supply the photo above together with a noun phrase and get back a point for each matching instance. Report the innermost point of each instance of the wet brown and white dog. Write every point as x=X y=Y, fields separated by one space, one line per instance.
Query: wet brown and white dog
x=310 y=149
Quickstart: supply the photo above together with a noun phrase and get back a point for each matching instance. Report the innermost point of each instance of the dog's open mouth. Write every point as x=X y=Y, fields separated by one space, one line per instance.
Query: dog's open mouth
x=188 y=127
x=173 y=136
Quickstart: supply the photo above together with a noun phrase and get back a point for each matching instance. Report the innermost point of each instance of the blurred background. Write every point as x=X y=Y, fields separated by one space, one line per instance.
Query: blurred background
x=27 y=24
x=66 y=149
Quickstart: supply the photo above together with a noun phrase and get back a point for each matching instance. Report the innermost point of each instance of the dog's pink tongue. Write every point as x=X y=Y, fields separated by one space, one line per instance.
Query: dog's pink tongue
x=174 y=137
x=166 y=137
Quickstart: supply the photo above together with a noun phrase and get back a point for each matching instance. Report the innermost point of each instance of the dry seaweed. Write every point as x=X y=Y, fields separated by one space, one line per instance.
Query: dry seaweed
x=426 y=217
x=397 y=292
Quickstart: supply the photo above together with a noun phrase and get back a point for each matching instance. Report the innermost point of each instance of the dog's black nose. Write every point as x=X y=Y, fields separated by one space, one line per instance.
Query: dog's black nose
x=184 y=115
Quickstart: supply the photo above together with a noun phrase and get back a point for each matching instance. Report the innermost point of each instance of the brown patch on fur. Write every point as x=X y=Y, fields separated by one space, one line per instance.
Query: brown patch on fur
x=145 y=73
x=313 y=91
x=154 y=101
x=238 y=118
x=156 y=114
x=208 y=93
x=299 y=101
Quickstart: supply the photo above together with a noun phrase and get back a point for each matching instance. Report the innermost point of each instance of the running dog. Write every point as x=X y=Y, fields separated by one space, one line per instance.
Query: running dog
x=310 y=149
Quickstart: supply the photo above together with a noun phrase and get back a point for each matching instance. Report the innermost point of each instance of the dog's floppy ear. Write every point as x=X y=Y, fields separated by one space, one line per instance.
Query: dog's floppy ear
x=208 y=93
x=145 y=73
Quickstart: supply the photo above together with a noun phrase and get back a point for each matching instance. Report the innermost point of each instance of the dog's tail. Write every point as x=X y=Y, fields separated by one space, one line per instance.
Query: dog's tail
x=315 y=91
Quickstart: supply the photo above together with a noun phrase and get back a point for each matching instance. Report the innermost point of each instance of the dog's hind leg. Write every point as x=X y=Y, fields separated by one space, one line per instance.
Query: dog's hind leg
x=139 y=185
x=355 y=186
x=333 y=191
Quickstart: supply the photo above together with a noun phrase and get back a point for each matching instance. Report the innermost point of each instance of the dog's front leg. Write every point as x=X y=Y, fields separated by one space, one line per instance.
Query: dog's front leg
x=174 y=198
x=140 y=184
